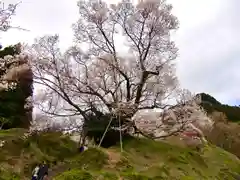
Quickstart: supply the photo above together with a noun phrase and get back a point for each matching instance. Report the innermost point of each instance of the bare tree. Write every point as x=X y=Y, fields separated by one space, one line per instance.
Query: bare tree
x=12 y=68
x=43 y=122
x=102 y=80
x=6 y=13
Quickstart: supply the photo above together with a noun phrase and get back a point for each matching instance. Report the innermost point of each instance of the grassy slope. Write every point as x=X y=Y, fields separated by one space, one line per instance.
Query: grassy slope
x=142 y=159
x=18 y=156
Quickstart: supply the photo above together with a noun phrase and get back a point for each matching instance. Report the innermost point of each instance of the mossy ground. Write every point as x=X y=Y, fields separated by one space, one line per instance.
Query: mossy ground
x=144 y=159
x=18 y=155
x=141 y=159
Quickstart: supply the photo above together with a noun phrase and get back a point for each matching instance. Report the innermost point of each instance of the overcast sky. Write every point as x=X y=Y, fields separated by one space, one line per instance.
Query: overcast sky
x=208 y=39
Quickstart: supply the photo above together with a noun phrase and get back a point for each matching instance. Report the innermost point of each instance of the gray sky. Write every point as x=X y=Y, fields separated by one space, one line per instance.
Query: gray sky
x=208 y=39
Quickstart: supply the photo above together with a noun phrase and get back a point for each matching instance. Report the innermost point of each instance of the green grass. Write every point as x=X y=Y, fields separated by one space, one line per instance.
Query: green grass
x=77 y=174
x=11 y=133
x=144 y=159
x=18 y=155
x=93 y=159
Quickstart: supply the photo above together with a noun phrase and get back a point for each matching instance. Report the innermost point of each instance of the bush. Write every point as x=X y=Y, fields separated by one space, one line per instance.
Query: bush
x=54 y=144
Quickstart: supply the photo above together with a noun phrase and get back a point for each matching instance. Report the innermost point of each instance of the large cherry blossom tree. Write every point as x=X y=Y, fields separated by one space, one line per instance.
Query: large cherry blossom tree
x=102 y=79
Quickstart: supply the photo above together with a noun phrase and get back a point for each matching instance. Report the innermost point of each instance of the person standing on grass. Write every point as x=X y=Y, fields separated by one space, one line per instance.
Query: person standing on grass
x=43 y=172
x=35 y=172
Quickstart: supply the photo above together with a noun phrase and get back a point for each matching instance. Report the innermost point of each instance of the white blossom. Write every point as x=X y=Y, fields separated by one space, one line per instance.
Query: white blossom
x=5 y=15
x=103 y=79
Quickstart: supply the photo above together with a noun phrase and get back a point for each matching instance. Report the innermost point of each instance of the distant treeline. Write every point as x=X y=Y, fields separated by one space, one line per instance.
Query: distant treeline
x=210 y=104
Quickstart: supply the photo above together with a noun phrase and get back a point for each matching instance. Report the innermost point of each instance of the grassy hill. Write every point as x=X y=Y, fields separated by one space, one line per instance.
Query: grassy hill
x=142 y=159
x=19 y=155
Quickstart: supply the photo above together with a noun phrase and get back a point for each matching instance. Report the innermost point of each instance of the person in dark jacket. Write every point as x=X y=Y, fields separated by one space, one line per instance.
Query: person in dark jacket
x=43 y=172
x=81 y=149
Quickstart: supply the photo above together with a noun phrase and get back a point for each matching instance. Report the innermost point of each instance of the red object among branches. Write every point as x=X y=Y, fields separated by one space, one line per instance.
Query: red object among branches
x=190 y=133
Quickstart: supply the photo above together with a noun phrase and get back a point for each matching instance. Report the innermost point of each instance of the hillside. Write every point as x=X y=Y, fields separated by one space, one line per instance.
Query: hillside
x=142 y=159
x=210 y=104
x=226 y=131
x=19 y=155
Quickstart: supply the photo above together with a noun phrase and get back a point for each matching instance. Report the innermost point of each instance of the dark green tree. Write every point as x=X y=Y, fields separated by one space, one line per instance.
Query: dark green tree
x=210 y=104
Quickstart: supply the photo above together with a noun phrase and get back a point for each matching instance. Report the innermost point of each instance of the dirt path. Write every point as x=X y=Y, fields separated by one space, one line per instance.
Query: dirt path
x=56 y=170
x=114 y=157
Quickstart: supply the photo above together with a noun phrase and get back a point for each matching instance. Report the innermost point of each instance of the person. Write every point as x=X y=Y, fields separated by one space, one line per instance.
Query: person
x=83 y=148
x=43 y=172
x=35 y=172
